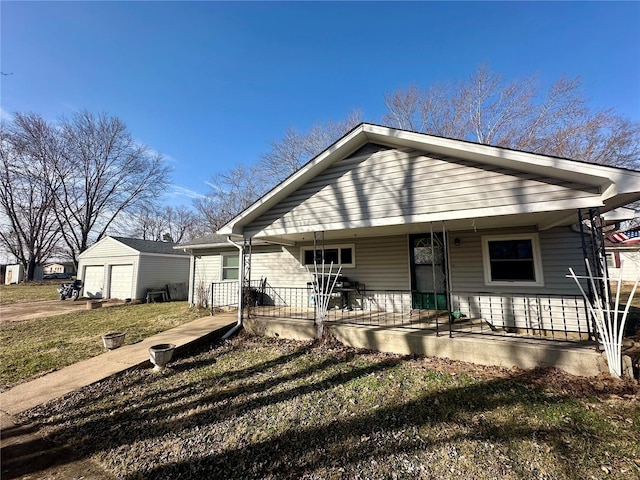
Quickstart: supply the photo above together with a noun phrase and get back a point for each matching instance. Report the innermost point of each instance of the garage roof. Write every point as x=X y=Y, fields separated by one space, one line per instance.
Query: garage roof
x=149 y=246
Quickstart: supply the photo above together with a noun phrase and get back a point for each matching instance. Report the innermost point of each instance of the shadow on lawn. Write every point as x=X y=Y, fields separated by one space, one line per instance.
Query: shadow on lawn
x=89 y=429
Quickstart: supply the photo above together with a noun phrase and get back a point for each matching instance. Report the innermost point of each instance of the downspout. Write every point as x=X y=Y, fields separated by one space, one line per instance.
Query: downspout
x=238 y=325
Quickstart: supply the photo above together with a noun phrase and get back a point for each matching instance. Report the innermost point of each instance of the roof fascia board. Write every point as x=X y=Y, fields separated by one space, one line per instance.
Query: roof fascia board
x=206 y=246
x=170 y=255
x=211 y=246
x=201 y=246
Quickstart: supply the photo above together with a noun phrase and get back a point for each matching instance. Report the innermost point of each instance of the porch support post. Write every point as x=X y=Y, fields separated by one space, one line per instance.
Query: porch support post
x=433 y=276
x=246 y=275
x=447 y=275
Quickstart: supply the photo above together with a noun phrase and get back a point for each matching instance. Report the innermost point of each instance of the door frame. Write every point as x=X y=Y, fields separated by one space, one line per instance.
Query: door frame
x=433 y=299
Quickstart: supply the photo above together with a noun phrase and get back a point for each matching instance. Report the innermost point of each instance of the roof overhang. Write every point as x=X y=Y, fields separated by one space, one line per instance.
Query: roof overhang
x=618 y=187
x=192 y=247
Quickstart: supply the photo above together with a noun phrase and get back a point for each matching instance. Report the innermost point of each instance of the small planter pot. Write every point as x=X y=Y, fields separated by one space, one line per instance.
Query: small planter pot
x=160 y=355
x=113 y=340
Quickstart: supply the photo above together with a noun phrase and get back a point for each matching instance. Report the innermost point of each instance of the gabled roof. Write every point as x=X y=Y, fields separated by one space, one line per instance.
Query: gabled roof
x=619 y=186
x=149 y=246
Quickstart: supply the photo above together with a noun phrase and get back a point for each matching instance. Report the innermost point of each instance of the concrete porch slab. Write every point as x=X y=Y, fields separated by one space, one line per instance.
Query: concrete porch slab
x=571 y=357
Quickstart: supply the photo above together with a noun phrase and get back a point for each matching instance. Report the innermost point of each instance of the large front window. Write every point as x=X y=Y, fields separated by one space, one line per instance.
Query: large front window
x=512 y=260
x=339 y=255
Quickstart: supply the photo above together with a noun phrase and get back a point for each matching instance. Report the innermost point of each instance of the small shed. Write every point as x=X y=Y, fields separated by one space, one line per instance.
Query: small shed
x=127 y=268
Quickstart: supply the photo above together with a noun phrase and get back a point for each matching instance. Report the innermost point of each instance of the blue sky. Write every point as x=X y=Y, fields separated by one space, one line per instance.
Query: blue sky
x=211 y=84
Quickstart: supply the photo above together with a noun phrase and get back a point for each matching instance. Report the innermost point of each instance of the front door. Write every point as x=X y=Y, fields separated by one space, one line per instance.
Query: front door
x=428 y=272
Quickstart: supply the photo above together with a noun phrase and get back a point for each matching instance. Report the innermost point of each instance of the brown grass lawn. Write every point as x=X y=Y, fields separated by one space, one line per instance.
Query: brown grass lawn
x=254 y=408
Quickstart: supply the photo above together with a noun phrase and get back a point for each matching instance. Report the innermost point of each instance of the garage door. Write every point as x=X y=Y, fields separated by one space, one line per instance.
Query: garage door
x=121 y=281
x=93 y=281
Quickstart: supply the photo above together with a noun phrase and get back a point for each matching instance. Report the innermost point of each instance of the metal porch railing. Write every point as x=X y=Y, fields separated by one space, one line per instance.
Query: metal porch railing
x=543 y=316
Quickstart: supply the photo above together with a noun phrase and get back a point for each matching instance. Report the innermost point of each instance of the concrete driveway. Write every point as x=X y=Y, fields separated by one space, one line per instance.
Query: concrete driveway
x=16 y=312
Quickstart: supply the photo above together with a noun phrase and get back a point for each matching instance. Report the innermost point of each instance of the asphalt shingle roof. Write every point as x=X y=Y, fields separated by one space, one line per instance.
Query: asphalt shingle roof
x=150 y=246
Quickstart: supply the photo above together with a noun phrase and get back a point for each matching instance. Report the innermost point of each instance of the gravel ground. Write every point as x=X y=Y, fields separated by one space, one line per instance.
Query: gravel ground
x=264 y=409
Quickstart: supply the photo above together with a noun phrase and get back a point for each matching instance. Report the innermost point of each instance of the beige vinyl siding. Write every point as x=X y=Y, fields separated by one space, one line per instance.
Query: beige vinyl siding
x=207 y=270
x=560 y=248
x=403 y=184
x=520 y=306
x=156 y=271
x=382 y=263
x=280 y=265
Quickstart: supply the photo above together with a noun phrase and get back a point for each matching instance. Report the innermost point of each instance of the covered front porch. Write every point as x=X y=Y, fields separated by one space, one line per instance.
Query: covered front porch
x=421 y=233
x=432 y=333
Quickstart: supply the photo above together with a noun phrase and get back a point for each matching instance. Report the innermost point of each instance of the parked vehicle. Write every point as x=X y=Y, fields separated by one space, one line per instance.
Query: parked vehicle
x=70 y=290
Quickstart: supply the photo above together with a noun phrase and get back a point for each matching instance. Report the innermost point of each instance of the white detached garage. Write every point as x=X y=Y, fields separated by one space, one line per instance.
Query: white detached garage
x=119 y=267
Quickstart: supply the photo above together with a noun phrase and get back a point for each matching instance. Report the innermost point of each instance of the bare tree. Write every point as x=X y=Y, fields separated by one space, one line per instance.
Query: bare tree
x=237 y=189
x=181 y=224
x=230 y=193
x=170 y=224
x=28 y=146
x=147 y=223
x=487 y=109
x=104 y=173
x=288 y=154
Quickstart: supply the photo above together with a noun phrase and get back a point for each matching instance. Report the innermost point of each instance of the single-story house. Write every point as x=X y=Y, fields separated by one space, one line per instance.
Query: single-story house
x=429 y=233
x=127 y=268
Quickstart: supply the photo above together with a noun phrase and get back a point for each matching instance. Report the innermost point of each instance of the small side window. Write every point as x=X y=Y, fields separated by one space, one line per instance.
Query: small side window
x=230 y=267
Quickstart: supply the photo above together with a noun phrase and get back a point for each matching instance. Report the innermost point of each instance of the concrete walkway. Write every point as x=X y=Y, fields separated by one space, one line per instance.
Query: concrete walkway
x=56 y=384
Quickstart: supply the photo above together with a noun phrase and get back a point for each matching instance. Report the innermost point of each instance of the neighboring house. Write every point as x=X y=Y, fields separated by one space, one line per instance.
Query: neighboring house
x=623 y=254
x=426 y=230
x=127 y=268
x=63 y=268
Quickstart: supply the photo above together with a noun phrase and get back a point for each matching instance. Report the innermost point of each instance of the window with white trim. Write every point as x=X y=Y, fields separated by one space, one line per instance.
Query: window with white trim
x=512 y=260
x=230 y=266
x=340 y=255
